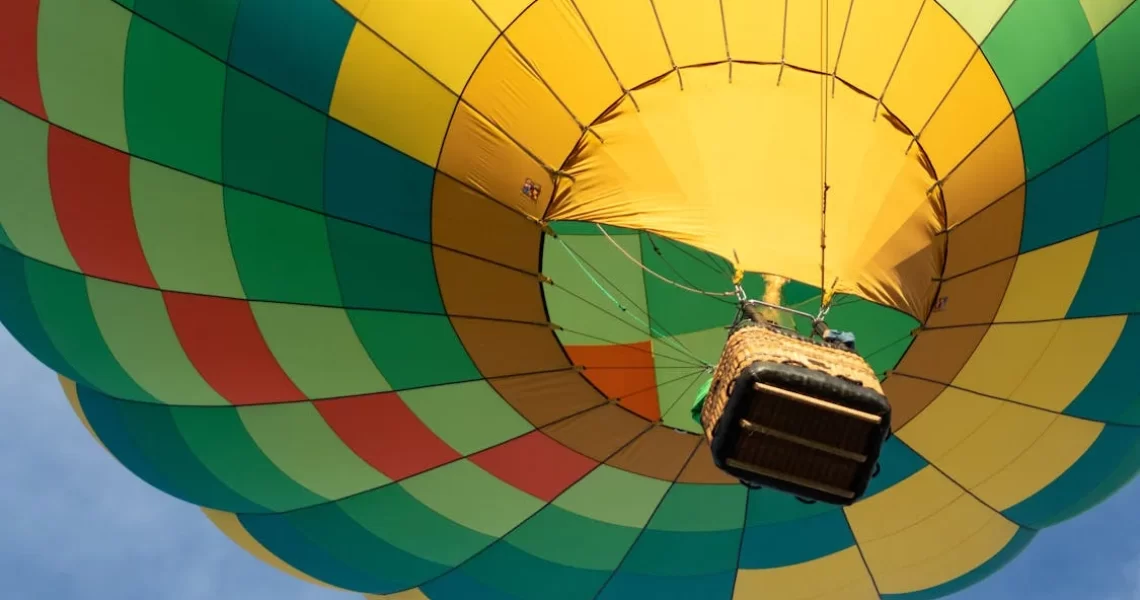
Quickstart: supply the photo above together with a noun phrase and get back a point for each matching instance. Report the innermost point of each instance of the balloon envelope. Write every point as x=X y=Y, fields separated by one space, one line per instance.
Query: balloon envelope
x=415 y=296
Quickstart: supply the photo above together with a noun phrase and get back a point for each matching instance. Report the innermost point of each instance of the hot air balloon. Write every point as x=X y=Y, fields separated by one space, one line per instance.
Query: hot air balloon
x=415 y=298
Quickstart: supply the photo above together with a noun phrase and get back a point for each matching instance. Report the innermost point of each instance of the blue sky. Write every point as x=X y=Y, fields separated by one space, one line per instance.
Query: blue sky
x=79 y=526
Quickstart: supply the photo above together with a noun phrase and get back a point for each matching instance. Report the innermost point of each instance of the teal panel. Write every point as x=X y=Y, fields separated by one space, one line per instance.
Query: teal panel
x=564 y=538
x=80 y=50
x=207 y=25
x=373 y=184
x=771 y=507
x=897 y=462
x=381 y=270
x=673 y=553
x=1110 y=463
x=1065 y=116
x=1111 y=285
x=790 y=542
x=391 y=514
x=173 y=98
x=630 y=585
x=60 y=298
x=1118 y=46
x=457 y=584
x=282 y=252
x=1113 y=395
x=293 y=45
x=1123 y=198
x=413 y=350
x=154 y=435
x=279 y=535
x=689 y=507
x=1014 y=50
x=274 y=145
x=525 y=576
x=1067 y=200
x=18 y=316
x=1012 y=549
x=217 y=437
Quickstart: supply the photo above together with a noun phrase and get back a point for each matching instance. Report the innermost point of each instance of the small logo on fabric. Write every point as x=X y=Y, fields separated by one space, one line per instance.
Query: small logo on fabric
x=940 y=304
x=531 y=190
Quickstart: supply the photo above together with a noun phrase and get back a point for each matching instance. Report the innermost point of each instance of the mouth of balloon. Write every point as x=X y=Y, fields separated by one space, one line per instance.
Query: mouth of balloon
x=733 y=159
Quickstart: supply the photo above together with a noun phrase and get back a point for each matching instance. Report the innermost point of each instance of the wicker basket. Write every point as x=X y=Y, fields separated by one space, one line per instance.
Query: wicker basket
x=795 y=414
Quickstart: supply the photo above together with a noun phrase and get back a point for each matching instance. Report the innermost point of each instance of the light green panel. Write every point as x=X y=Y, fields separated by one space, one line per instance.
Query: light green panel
x=1101 y=12
x=450 y=410
x=322 y=463
x=977 y=17
x=318 y=350
x=671 y=356
x=26 y=212
x=181 y=222
x=137 y=329
x=1021 y=61
x=690 y=349
x=581 y=305
x=677 y=397
x=614 y=496
x=81 y=52
x=1117 y=50
x=472 y=497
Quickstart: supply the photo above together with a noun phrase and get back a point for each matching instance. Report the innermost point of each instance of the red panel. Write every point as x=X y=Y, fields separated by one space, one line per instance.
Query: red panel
x=224 y=343
x=91 y=191
x=19 y=69
x=622 y=372
x=383 y=431
x=535 y=464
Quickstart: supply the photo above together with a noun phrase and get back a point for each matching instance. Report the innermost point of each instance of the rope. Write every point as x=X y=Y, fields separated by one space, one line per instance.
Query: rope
x=680 y=286
x=825 y=50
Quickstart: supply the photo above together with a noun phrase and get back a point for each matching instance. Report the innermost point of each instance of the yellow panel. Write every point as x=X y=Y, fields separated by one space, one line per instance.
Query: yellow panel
x=694 y=30
x=977 y=16
x=902 y=505
x=949 y=544
x=554 y=39
x=975 y=106
x=951 y=418
x=875 y=37
x=502 y=12
x=934 y=57
x=1101 y=12
x=508 y=93
x=1073 y=358
x=755 y=29
x=354 y=7
x=630 y=38
x=1065 y=441
x=381 y=93
x=1045 y=281
x=229 y=525
x=1009 y=431
x=449 y=48
x=838 y=576
x=804 y=43
x=1005 y=356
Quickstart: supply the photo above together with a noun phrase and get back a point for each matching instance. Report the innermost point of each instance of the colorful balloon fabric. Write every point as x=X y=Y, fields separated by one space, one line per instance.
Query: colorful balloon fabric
x=413 y=297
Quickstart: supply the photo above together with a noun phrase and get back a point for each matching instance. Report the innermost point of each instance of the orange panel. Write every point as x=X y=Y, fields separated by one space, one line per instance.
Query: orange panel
x=622 y=372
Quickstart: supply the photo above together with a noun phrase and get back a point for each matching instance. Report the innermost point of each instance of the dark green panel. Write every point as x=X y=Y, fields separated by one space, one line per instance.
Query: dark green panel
x=675 y=311
x=274 y=145
x=790 y=542
x=282 y=252
x=173 y=98
x=683 y=553
x=381 y=270
x=1111 y=285
x=1067 y=200
x=413 y=350
x=526 y=577
x=1118 y=47
x=1123 y=197
x=18 y=316
x=1113 y=395
x=206 y=24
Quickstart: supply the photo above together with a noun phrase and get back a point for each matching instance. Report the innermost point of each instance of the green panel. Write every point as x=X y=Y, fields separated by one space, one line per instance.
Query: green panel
x=322 y=463
x=393 y=515
x=700 y=507
x=381 y=270
x=173 y=101
x=1123 y=197
x=880 y=332
x=207 y=25
x=504 y=571
x=679 y=372
x=614 y=496
x=18 y=315
x=565 y=538
x=135 y=325
x=60 y=298
x=27 y=213
x=413 y=350
x=593 y=283
x=1111 y=285
x=318 y=350
x=81 y=49
x=671 y=554
x=218 y=438
x=1065 y=116
x=1117 y=48
x=676 y=311
x=181 y=222
x=274 y=145
x=676 y=391
x=4 y=239
x=585 y=228
x=1014 y=50
x=282 y=252
x=472 y=497
x=449 y=412
x=886 y=358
